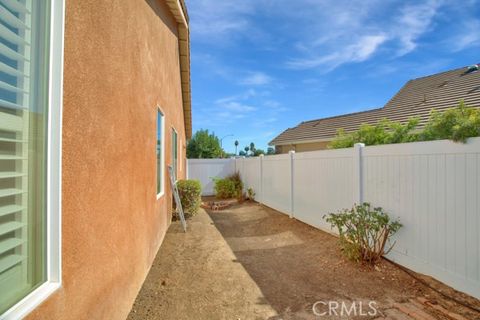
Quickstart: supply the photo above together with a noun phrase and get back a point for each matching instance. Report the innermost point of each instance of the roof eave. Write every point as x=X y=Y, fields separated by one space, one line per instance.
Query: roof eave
x=290 y=142
x=179 y=12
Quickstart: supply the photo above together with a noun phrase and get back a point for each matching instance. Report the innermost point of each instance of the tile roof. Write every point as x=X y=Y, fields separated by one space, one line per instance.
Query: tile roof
x=416 y=98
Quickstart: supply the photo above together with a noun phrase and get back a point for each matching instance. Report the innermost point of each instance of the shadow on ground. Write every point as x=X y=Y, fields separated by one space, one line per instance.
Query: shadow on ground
x=296 y=265
x=252 y=262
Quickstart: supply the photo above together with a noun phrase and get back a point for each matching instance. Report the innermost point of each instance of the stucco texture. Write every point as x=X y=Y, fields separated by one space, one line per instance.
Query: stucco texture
x=121 y=62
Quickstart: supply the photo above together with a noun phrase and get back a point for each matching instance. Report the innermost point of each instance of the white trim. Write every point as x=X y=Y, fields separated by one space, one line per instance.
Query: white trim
x=54 y=170
x=162 y=189
x=172 y=156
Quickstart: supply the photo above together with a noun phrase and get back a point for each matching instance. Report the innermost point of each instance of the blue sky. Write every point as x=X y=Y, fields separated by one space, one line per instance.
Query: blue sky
x=261 y=66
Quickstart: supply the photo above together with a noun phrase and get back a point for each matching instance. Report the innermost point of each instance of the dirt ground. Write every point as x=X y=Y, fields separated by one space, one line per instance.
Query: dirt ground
x=252 y=262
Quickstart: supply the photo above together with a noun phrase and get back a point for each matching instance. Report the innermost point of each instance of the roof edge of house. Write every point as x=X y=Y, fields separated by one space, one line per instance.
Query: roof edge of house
x=179 y=11
x=290 y=142
x=341 y=115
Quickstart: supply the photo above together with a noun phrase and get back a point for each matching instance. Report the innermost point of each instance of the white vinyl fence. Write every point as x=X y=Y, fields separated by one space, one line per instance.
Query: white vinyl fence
x=206 y=169
x=432 y=187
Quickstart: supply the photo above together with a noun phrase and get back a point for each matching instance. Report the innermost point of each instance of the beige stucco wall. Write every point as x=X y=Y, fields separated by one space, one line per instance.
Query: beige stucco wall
x=121 y=61
x=302 y=147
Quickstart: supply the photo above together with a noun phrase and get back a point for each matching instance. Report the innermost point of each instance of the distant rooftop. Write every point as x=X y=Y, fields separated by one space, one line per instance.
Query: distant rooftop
x=415 y=99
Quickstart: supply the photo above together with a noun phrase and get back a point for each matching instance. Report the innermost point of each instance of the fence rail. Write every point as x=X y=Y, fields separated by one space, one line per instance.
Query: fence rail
x=432 y=187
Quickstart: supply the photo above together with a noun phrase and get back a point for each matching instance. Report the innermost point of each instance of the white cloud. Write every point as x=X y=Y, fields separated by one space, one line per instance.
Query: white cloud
x=237 y=107
x=359 y=51
x=214 y=20
x=414 y=21
x=242 y=96
x=469 y=37
x=356 y=32
x=256 y=79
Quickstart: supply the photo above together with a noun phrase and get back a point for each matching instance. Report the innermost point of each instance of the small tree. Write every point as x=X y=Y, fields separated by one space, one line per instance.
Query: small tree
x=270 y=150
x=258 y=152
x=246 y=150
x=252 y=147
x=236 y=146
x=204 y=145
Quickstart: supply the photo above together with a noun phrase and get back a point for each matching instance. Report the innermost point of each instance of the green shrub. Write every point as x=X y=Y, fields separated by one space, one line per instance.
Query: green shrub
x=237 y=181
x=455 y=124
x=224 y=188
x=364 y=232
x=229 y=187
x=190 y=195
x=250 y=194
x=384 y=132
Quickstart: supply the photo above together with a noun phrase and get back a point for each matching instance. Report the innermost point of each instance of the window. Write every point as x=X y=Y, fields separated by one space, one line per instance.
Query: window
x=160 y=156
x=31 y=60
x=174 y=153
x=180 y=154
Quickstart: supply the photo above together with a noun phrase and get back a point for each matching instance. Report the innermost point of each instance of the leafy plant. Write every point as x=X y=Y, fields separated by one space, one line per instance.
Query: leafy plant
x=190 y=196
x=224 y=188
x=250 y=194
x=384 y=132
x=364 y=232
x=258 y=152
x=456 y=124
x=229 y=187
x=237 y=180
x=204 y=145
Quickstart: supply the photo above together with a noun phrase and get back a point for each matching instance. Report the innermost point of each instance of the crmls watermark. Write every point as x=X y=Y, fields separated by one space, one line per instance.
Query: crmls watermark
x=345 y=308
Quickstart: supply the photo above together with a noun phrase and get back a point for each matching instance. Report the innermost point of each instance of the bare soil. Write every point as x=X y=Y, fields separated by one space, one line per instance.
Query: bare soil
x=252 y=262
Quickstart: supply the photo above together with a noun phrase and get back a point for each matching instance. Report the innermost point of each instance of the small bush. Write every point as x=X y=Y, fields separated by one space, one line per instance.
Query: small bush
x=190 y=195
x=237 y=180
x=224 y=188
x=229 y=187
x=250 y=194
x=364 y=232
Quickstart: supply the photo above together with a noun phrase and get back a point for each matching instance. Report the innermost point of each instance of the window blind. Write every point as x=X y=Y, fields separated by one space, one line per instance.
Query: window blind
x=17 y=148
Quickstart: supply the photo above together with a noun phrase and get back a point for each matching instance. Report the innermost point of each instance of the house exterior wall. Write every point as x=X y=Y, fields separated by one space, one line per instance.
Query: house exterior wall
x=121 y=62
x=302 y=147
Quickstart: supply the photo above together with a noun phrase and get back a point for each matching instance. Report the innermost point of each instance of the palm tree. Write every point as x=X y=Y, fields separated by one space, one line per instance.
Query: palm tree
x=236 y=145
x=246 y=150
x=252 y=147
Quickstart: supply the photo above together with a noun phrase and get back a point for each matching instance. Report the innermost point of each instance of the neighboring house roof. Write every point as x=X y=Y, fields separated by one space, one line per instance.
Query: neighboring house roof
x=415 y=99
x=179 y=12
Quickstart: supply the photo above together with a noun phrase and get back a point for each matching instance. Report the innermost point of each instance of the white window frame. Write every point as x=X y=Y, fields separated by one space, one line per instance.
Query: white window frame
x=176 y=164
x=54 y=170
x=180 y=154
x=162 y=189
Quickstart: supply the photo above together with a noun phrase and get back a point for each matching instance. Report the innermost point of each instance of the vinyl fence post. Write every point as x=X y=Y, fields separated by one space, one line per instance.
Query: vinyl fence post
x=292 y=189
x=260 y=193
x=358 y=171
